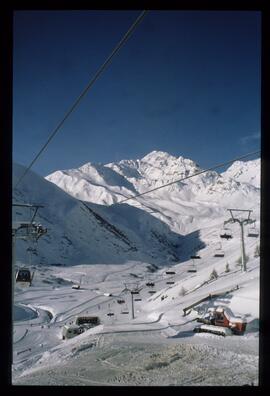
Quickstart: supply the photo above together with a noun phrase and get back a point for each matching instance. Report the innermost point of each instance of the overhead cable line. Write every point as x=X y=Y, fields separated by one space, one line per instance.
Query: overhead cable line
x=188 y=177
x=90 y=84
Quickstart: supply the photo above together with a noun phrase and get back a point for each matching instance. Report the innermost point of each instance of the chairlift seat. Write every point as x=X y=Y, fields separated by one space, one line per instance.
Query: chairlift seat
x=253 y=234
x=191 y=270
x=125 y=312
x=219 y=254
x=137 y=299
x=110 y=314
x=195 y=257
x=151 y=291
x=169 y=282
x=170 y=272
x=135 y=292
x=226 y=236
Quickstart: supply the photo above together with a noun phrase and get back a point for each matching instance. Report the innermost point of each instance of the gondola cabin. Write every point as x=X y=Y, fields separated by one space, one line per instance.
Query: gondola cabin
x=24 y=275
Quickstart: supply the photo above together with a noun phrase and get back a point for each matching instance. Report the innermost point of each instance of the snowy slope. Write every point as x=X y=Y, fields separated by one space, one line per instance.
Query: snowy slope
x=100 y=183
x=247 y=172
x=157 y=346
x=76 y=231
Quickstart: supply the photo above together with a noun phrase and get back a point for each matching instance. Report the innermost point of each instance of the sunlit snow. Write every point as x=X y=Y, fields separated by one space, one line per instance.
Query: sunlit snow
x=121 y=247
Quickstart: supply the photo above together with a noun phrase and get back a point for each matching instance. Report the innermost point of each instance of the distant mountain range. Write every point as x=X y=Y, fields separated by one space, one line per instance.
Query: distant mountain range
x=87 y=224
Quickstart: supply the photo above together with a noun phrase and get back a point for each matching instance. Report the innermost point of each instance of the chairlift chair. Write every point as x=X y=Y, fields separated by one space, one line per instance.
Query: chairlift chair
x=150 y=284
x=195 y=257
x=253 y=232
x=226 y=234
x=137 y=299
x=125 y=311
x=192 y=267
x=169 y=282
x=170 y=272
x=110 y=314
x=151 y=291
x=219 y=252
x=135 y=292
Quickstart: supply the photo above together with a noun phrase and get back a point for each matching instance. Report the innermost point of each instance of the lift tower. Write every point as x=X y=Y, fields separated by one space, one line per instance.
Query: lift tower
x=133 y=290
x=242 y=221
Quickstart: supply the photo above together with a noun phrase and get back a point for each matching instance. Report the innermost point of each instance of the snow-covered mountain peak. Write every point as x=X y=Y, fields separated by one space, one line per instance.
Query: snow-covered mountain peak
x=93 y=182
x=113 y=182
x=163 y=167
x=245 y=172
x=160 y=159
x=157 y=156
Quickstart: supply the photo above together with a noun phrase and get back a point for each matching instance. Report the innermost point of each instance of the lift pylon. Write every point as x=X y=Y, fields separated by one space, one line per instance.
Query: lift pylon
x=242 y=221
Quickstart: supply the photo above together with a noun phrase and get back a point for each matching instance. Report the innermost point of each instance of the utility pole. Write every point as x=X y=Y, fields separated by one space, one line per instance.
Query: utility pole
x=242 y=222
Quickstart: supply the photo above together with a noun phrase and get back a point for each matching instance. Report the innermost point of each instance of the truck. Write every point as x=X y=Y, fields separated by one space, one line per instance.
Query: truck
x=220 y=320
x=70 y=331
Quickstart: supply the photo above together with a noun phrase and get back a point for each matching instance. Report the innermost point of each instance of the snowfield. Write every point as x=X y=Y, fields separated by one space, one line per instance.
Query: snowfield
x=158 y=347
x=115 y=248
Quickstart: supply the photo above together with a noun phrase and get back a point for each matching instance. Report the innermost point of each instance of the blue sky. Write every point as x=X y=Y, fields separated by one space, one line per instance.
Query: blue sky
x=186 y=82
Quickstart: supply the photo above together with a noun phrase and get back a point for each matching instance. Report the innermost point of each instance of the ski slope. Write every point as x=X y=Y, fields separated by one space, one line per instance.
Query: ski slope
x=122 y=247
x=158 y=329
